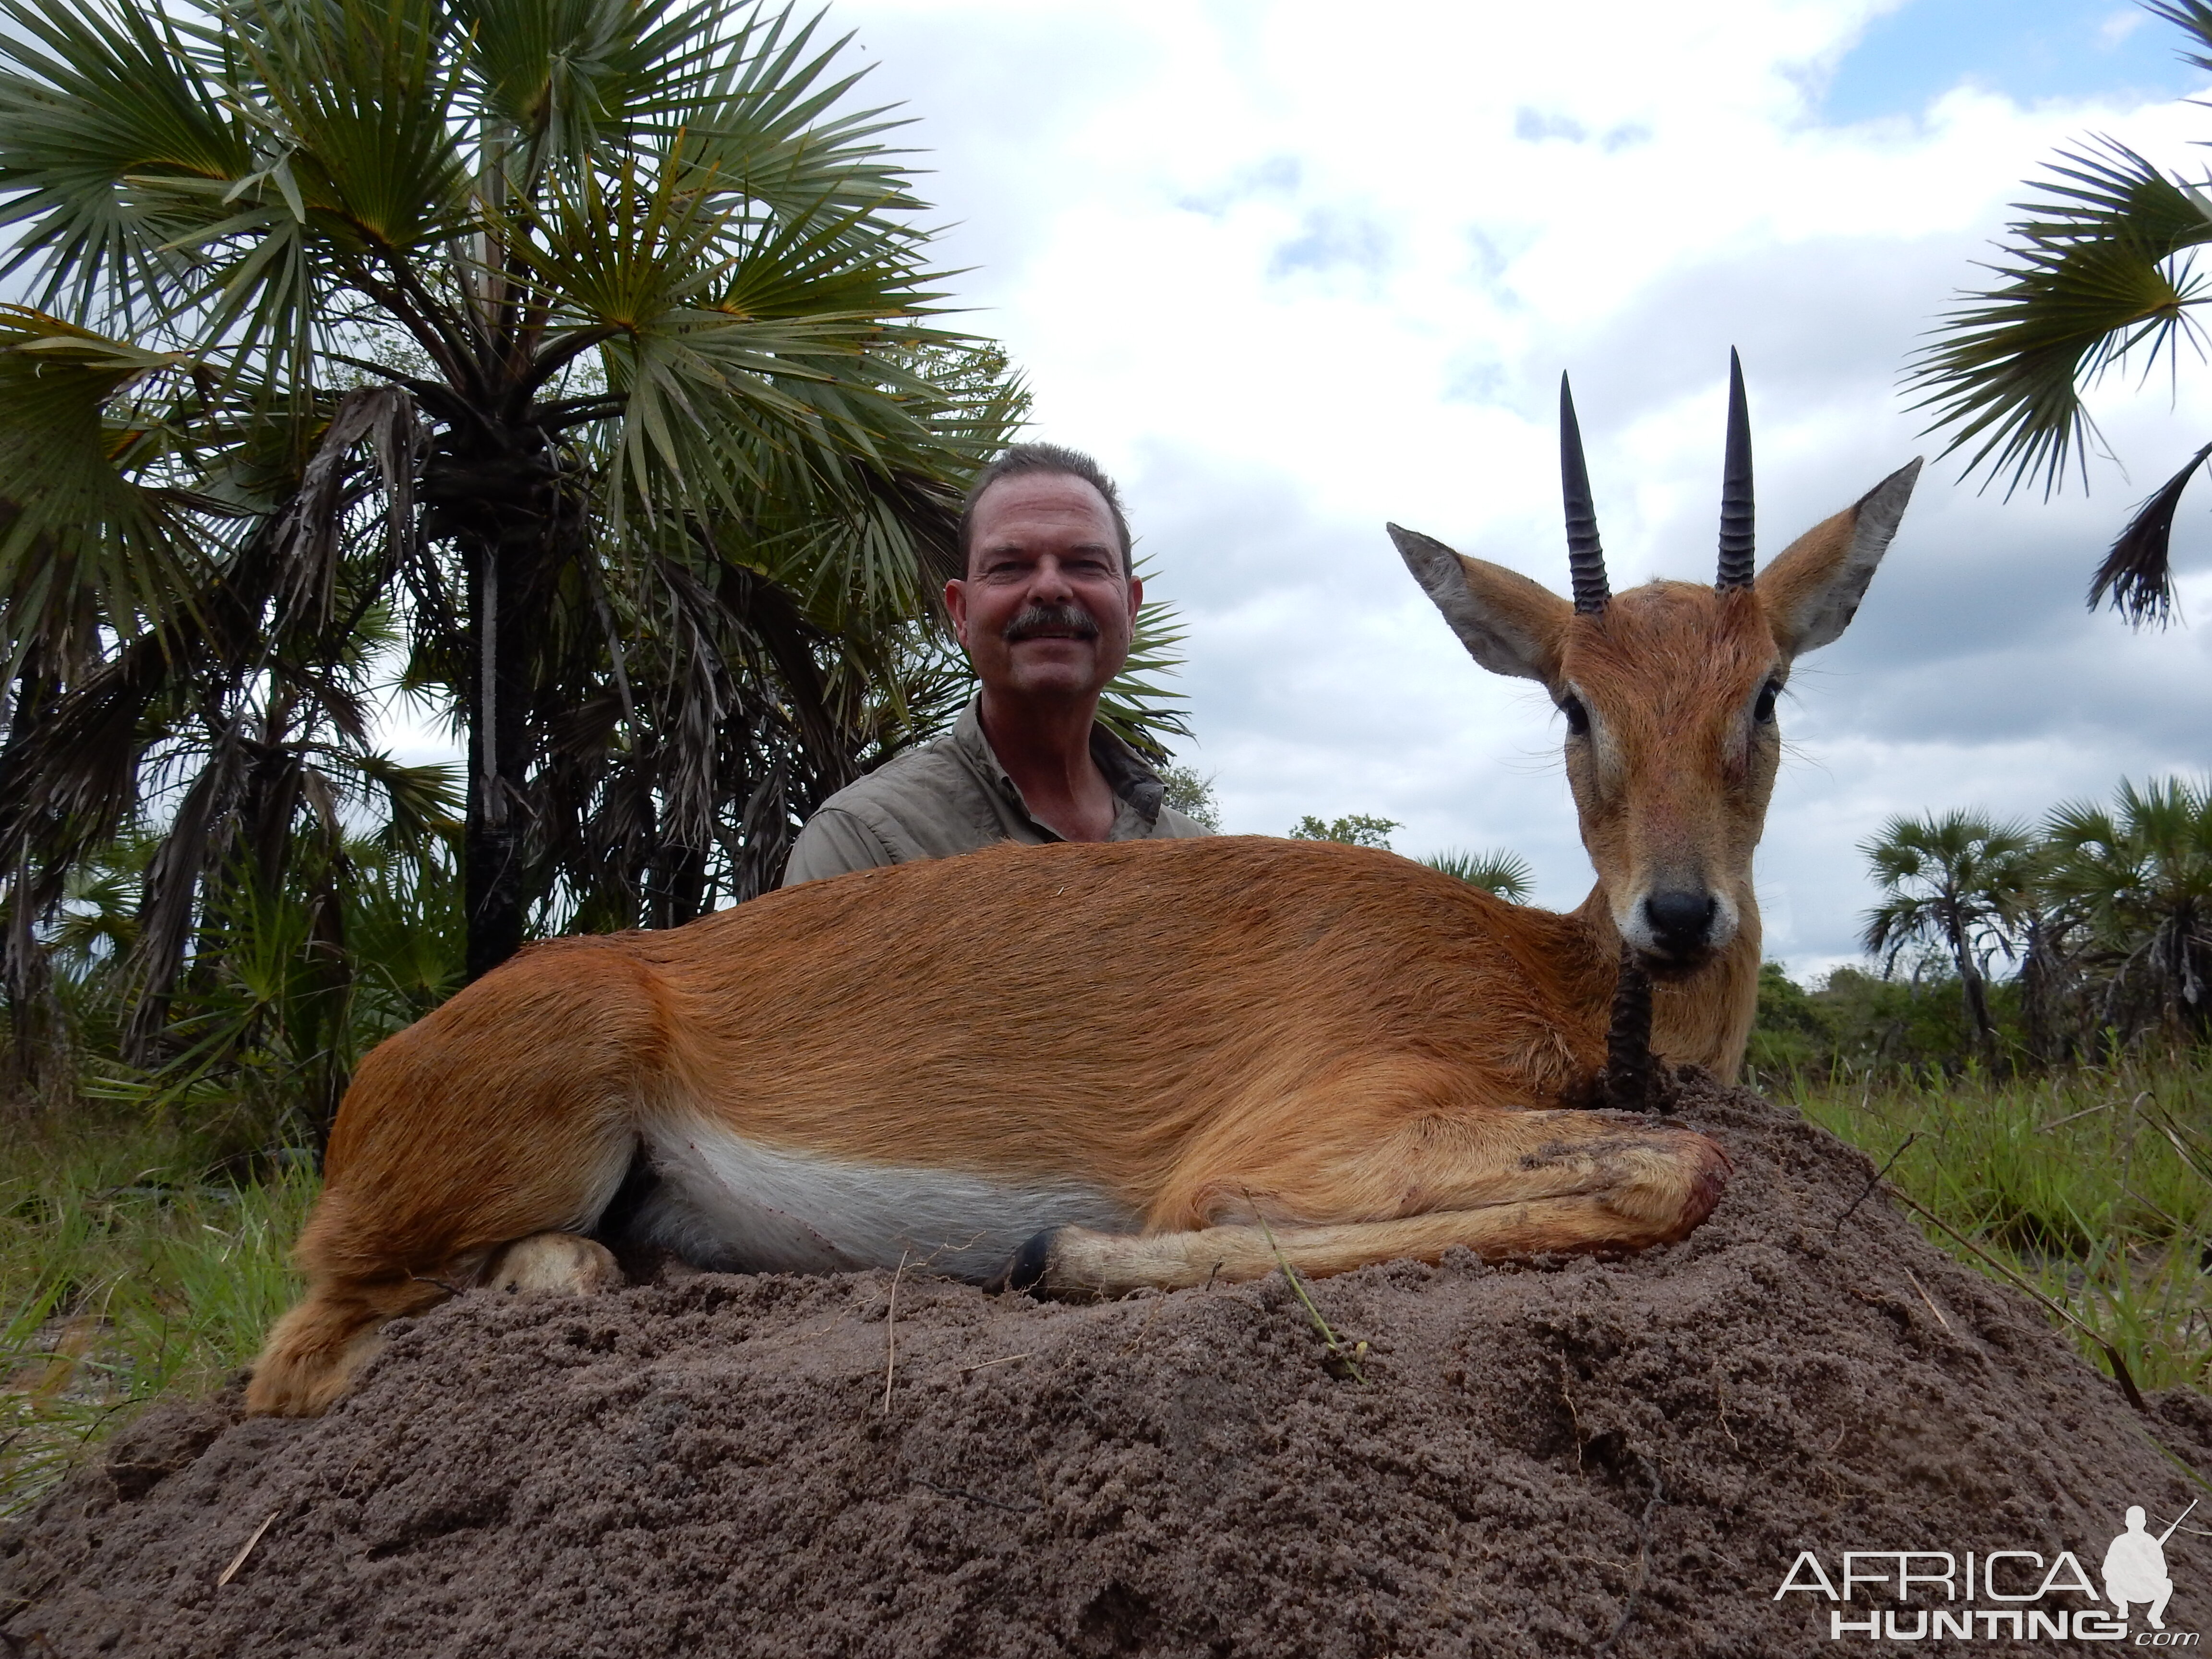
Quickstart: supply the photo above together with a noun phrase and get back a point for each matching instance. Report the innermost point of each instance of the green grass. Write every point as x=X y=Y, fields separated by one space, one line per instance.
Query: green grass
x=130 y=1266
x=2094 y=1186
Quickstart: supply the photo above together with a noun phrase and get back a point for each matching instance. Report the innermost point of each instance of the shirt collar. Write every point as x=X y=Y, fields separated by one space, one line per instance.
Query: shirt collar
x=1124 y=770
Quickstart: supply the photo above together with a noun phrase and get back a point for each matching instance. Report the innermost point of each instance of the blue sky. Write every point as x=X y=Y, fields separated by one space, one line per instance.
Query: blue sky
x=2029 y=50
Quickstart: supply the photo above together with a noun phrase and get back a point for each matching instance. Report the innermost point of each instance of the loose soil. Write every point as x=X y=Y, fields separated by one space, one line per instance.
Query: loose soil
x=1562 y=1457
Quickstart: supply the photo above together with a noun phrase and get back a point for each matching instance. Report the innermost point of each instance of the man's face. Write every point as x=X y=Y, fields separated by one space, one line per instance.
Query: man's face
x=1045 y=611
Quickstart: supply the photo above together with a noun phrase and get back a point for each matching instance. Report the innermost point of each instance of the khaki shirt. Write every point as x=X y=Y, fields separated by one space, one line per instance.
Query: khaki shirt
x=953 y=796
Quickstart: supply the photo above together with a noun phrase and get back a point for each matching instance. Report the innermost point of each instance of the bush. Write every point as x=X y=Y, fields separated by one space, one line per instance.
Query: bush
x=1855 y=1023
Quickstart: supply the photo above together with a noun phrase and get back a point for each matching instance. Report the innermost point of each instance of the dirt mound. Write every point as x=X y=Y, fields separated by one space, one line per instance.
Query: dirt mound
x=1557 y=1458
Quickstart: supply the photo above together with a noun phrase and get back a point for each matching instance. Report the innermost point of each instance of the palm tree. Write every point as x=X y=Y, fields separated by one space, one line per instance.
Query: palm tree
x=2137 y=881
x=569 y=364
x=1504 y=873
x=1959 y=883
x=2099 y=270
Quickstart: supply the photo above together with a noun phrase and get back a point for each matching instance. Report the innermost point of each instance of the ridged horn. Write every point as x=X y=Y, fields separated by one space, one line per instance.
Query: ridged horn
x=1737 y=524
x=1585 y=557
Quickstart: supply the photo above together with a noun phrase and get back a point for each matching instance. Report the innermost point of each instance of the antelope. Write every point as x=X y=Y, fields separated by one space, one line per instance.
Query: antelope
x=1082 y=1070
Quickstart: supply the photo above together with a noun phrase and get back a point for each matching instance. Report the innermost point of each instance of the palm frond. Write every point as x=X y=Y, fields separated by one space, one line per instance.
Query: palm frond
x=2194 y=18
x=558 y=78
x=355 y=101
x=101 y=110
x=2138 y=574
x=2098 y=272
x=1135 y=707
x=82 y=544
x=1505 y=874
x=770 y=132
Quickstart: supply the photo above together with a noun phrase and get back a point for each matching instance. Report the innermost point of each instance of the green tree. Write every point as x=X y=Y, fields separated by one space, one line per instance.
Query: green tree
x=1959 y=884
x=1788 y=1038
x=2135 y=881
x=1192 y=795
x=1359 y=829
x=2099 y=271
x=573 y=356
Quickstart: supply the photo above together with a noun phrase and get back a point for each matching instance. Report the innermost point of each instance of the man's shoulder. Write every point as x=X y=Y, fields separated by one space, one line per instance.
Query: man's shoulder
x=925 y=803
x=929 y=769
x=1172 y=825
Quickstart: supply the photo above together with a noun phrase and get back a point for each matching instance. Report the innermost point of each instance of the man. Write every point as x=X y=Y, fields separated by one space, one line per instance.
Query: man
x=1045 y=612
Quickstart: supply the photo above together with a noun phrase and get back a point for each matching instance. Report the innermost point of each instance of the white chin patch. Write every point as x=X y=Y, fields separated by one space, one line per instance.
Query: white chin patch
x=738 y=1205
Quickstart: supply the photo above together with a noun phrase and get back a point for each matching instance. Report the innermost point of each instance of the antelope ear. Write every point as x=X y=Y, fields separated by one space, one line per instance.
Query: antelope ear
x=1508 y=624
x=1813 y=588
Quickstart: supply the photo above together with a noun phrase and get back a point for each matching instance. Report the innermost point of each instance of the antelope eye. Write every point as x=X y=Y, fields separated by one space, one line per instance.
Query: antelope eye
x=1577 y=716
x=1763 y=710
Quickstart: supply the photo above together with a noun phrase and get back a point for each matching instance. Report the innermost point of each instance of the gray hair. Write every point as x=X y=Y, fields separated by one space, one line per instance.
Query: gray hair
x=1024 y=459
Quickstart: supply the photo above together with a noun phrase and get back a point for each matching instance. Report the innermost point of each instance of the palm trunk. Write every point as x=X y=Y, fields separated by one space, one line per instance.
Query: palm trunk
x=1970 y=984
x=496 y=492
x=26 y=974
x=492 y=884
x=2044 y=987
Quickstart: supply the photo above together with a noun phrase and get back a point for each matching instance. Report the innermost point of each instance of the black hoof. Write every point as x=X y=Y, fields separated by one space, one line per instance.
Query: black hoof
x=1027 y=1270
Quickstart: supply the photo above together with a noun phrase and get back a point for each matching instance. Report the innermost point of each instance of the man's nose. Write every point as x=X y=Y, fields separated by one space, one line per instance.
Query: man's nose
x=1048 y=582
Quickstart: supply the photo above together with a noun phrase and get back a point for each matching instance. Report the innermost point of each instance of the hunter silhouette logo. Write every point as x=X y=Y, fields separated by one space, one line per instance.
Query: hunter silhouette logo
x=2134 y=1567
x=2013 y=1595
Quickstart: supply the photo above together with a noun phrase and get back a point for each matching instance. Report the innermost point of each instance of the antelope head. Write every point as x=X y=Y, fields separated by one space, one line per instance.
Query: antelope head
x=1668 y=690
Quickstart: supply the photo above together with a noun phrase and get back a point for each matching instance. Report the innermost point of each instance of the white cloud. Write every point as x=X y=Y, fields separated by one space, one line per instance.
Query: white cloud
x=1290 y=278
x=2123 y=21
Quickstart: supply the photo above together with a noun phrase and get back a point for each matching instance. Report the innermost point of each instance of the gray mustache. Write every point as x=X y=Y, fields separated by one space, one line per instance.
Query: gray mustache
x=1051 y=619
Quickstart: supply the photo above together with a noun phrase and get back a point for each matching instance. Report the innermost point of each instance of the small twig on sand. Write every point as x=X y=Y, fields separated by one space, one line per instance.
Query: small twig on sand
x=1720 y=1404
x=1874 y=1182
x=1930 y=1300
x=976 y=1496
x=2121 y=1375
x=1643 y=1555
x=1345 y=1354
x=238 y=1559
x=1003 y=1359
x=890 y=1334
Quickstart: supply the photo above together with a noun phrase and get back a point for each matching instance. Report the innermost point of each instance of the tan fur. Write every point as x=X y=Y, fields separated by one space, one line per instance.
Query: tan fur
x=1373 y=1057
x=560 y=1263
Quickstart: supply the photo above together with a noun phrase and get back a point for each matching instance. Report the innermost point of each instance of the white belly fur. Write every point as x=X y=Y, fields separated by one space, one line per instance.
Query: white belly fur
x=734 y=1205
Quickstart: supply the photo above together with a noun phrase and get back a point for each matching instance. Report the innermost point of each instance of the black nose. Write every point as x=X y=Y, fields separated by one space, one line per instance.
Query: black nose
x=1681 y=921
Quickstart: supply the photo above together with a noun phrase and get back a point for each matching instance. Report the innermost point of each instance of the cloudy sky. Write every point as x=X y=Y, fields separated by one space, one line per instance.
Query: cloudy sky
x=1290 y=279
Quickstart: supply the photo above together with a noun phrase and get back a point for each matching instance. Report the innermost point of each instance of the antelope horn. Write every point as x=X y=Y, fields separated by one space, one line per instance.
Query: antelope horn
x=1585 y=557
x=1736 y=530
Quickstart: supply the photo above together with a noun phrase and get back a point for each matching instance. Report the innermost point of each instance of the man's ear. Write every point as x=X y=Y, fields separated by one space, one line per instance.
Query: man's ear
x=956 y=606
x=1508 y=624
x=1813 y=588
